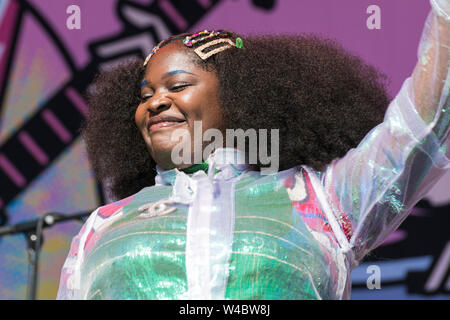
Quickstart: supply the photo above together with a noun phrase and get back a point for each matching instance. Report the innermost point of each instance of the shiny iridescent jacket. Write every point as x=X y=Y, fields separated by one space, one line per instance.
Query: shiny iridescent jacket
x=230 y=233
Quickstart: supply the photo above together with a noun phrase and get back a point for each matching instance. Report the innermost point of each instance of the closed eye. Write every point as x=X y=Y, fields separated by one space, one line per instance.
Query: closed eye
x=175 y=88
x=179 y=87
x=145 y=97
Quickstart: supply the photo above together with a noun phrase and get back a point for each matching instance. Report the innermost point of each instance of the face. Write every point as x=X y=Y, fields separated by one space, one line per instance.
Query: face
x=174 y=93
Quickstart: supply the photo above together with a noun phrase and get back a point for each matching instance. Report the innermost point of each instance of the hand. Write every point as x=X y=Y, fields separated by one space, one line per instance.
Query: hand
x=442 y=8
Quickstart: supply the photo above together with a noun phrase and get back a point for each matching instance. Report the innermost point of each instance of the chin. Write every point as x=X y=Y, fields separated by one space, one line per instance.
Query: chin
x=163 y=157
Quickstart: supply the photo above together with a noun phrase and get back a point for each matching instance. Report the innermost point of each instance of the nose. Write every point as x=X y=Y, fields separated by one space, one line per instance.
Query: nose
x=158 y=103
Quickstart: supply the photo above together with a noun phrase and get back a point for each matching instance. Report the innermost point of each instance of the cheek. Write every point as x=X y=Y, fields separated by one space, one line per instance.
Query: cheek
x=203 y=107
x=139 y=116
x=213 y=111
x=212 y=114
x=191 y=105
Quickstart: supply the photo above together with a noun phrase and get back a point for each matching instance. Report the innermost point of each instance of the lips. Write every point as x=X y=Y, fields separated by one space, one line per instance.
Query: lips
x=161 y=121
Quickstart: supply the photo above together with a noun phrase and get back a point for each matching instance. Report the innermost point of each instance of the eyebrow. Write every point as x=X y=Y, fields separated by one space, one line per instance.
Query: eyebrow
x=168 y=74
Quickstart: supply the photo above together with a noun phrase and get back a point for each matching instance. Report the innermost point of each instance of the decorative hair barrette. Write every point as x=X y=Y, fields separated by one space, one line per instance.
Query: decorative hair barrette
x=189 y=41
x=221 y=43
x=156 y=48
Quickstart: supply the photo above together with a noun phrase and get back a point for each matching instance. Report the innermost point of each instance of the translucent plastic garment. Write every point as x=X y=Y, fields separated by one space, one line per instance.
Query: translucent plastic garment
x=230 y=233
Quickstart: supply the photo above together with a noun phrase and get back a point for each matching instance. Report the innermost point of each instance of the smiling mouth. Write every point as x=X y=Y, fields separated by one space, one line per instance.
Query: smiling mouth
x=163 y=122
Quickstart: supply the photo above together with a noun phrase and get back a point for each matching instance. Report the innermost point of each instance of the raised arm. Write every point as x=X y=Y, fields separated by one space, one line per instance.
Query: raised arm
x=372 y=188
x=430 y=87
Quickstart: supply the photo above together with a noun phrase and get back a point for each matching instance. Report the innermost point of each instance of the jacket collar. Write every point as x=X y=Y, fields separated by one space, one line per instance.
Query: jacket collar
x=223 y=163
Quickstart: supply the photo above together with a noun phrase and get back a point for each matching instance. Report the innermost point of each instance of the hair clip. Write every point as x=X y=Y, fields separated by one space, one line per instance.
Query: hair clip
x=155 y=49
x=194 y=38
x=189 y=41
x=226 y=43
x=239 y=43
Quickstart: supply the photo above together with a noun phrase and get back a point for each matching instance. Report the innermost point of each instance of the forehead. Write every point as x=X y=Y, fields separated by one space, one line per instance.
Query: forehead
x=173 y=56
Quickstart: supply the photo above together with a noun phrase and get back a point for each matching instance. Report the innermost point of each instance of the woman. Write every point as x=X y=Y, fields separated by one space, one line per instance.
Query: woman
x=221 y=228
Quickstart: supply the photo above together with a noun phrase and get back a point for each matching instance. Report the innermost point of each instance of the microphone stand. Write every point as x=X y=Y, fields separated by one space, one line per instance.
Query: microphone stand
x=33 y=231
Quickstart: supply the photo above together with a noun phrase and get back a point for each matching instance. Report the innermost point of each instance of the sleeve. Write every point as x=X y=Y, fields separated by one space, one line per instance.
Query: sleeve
x=371 y=190
x=69 y=283
x=71 y=279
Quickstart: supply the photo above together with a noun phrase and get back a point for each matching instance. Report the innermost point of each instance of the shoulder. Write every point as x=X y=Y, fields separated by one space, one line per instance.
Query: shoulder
x=106 y=215
x=111 y=209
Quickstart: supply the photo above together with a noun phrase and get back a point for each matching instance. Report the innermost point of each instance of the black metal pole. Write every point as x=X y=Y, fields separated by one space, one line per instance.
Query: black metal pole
x=34 y=240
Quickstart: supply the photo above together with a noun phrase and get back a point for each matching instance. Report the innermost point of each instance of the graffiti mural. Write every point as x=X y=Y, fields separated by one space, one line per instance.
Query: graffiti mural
x=51 y=50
